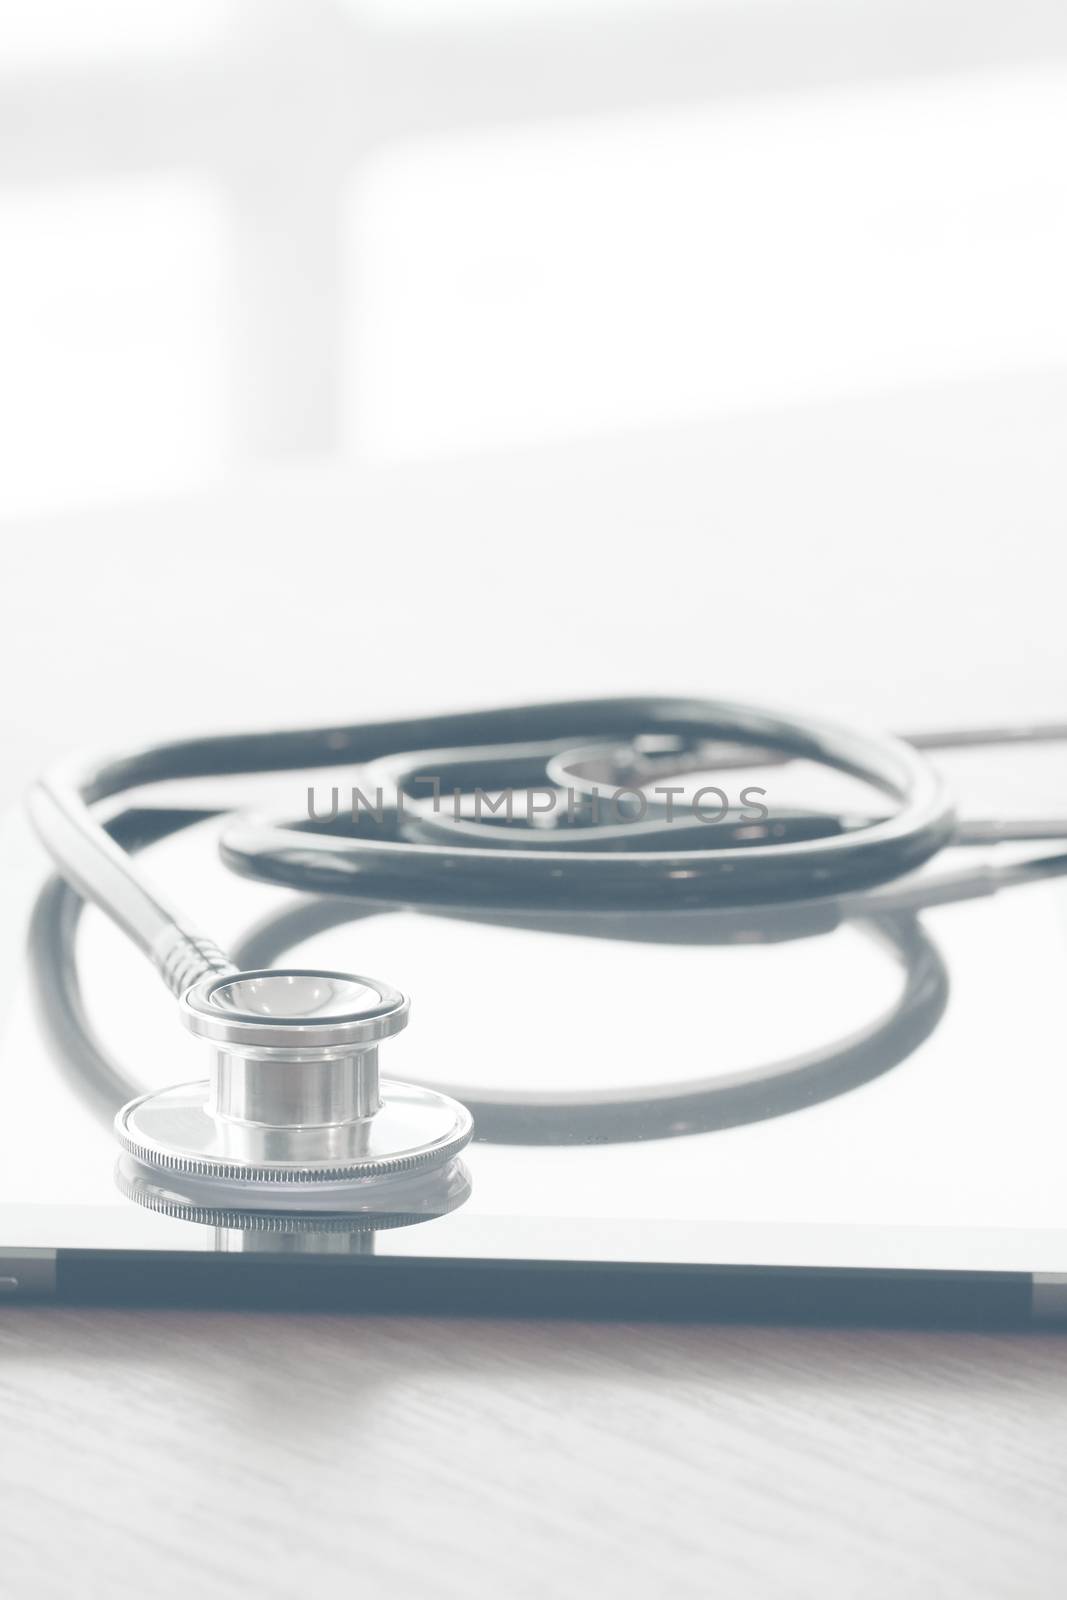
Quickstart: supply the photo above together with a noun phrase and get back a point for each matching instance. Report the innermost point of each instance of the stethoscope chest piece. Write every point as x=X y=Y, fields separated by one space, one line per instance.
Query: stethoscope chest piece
x=294 y=1111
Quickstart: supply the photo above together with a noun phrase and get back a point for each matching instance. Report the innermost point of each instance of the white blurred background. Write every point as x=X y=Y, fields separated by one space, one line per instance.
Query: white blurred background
x=369 y=355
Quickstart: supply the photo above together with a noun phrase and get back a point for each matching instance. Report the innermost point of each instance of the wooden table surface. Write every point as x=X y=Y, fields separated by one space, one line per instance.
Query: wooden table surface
x=221 y=1453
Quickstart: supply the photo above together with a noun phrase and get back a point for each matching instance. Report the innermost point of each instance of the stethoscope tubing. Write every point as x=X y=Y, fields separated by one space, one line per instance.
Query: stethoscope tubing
x=450 y=868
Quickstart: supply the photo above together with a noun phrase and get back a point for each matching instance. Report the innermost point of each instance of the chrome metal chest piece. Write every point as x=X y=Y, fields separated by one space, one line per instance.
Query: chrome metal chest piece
x=294 y=1107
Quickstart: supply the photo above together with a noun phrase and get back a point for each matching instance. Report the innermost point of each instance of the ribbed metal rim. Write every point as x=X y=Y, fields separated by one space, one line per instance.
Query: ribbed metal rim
x=236 y=1172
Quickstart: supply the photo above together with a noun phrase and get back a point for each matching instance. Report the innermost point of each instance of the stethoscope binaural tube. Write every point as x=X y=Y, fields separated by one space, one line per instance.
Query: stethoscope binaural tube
x=458 y=866
x=921 y=823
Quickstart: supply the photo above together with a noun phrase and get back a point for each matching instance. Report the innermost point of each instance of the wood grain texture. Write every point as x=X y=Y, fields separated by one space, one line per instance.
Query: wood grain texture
x=218 y=1454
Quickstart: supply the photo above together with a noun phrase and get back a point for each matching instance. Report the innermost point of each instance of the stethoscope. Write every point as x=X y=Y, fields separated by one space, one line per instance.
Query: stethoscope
x=295 y=1116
